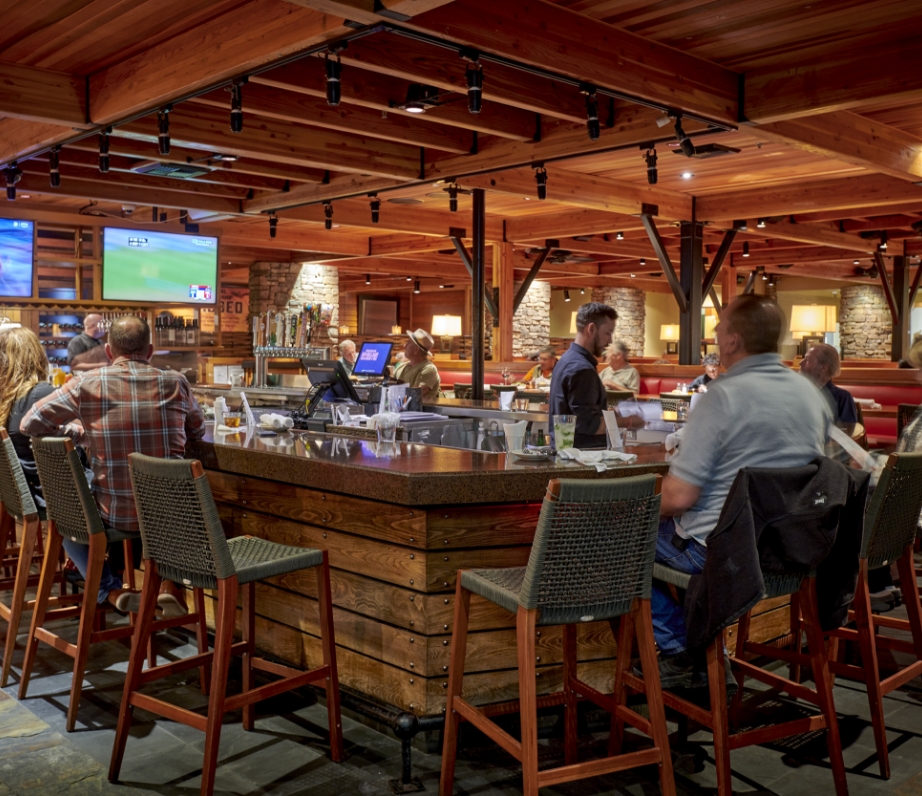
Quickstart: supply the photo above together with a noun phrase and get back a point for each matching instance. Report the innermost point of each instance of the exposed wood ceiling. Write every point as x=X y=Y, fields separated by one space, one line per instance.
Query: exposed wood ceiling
x=822 y=100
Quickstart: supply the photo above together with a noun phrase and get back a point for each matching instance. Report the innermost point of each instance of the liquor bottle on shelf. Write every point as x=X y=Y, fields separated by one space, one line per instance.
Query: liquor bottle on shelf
x=191 y=333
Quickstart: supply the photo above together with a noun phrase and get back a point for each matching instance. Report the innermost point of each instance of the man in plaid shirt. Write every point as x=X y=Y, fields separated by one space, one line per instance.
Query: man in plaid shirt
x=129 y=406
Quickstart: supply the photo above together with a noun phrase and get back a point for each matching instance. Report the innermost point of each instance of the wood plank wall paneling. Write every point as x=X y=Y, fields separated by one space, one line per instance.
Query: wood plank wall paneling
x=393 y=593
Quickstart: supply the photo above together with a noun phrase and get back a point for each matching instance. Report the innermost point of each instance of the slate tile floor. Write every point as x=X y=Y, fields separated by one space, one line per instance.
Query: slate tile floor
x=287 y=753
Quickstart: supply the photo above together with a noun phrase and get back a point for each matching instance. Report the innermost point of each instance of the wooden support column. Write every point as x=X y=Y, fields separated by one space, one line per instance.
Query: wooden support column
x=503 y=282
x=478 y=271
x=899 y=339
x=691 y=276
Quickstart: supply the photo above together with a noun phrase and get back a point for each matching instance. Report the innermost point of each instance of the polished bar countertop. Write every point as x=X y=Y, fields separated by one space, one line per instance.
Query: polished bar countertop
x=403 y=473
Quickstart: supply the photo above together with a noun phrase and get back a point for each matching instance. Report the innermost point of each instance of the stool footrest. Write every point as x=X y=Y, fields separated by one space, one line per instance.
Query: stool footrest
x=487 y=727
x=275 y=688
x=795 y=690
x=596 y=768
x=193 y=661
x=901 y=677
x=765 y=735
x=170 y=711
x=112 y=633
x=53 y=640
x=512 y=706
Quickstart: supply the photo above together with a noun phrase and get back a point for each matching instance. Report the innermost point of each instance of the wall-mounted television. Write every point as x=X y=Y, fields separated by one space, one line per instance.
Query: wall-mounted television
x=17 y=246
x=163 y=267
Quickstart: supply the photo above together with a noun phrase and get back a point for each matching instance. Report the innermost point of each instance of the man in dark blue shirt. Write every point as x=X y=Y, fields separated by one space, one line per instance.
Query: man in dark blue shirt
x=821 y=364
x=576 y=388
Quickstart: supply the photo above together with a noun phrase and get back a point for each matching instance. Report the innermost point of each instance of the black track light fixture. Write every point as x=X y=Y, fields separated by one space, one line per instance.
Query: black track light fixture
x=367 y=279
x=273 y=225
x=13 y=175
x=328 y=215
x=566 y=295
x=592 y=112
x=619 y=236
x=416 y=286
x=541 y=180
x=375 y=208
x=54 y=167
x=643 y=261
x=883 y=241
x=334 y=80
x=104 y=149
x=474 y=75
x=236 y=115
x=650 y=160
x=409 y=279
x=746 y=248
x=685 y=143
x=761 y=223
x=163 y=129
x=452 y=197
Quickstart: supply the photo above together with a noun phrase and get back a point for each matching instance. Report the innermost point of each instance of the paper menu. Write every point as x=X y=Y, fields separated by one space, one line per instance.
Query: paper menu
x=615 y=440
x=245 y=404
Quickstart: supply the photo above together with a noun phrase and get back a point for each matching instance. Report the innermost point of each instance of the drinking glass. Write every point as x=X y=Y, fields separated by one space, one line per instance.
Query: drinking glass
x=564 y=431
x=234 y=419
x=521 y=404
x=506 y=397
x=386 y=426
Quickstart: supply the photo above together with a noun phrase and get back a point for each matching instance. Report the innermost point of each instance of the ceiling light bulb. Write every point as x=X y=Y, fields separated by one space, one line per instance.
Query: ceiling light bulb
x=367 y=279
x=474 y=76
x=619 y=236
x=273 y=224
x=687 y=175
x=761 y=223
x=409 y=279
x=883 y=241
x=236 y=116
x=582 y=291
x=566 y=295
x=54 y=163
x=416 y=286
x=163 y=129
x=633 y=275
x=334 y=83
x=746 y=249
x=643 y=260
x=541 y=180
x=104 y=149
x=375 y=208
x=328 y=215
x=652 y=173
x=856 y=262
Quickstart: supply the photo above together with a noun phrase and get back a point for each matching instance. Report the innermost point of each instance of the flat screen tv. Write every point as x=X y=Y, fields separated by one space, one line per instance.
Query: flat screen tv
x=164 y=267
x=17 y=243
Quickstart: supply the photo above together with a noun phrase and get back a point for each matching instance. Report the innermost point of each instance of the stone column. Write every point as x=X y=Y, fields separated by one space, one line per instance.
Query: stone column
x=531 y=324
x=864 y=323
x=629 y=304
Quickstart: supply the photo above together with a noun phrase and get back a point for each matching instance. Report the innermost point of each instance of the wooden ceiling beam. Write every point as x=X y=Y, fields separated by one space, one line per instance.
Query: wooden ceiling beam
x=42 y=95
x=289 y=106
x=395 y=245
x=898 y=221
x=208 y=129
x=837 y=81
x=793 y=256
x=851 y=138
x=868 y=213
x=293 y=238
x=369 y=12
x=584 y=190
x=18 y=137
x=545 y=35
x=811 y=233
x=613 y=248
x=527 y=229
x=397 y=267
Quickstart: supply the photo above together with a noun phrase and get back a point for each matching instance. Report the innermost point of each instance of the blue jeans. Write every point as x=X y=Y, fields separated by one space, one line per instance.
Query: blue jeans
x=668 y=615
x=80 y=555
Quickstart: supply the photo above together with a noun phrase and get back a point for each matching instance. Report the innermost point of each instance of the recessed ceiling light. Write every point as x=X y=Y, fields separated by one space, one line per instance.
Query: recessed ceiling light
x=25 y=196
x=687 y=175
x=527 y=198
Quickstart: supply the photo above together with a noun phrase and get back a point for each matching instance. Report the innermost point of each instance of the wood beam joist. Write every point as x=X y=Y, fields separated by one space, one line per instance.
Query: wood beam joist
x=288 y=106
x=585 y=190
x=395 y=245
x=208 y=129
x=371 y=11
x=613 y=248
x=812 y=233
x=18 y=136
x=527 y=229
x=848 y=193
x=41 y=95
x=396 y=267
x=803 y=254
x=379 y=93
x=546 y=35
x=249 y=37
x=291 y=237
x=851 y=138
x=836 y=81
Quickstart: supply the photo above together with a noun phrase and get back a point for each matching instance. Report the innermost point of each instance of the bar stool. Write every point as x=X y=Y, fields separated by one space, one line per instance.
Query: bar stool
x=591 y=560
x=72 y=512
x=184 y=541
x=889 y=535
x=17 y=505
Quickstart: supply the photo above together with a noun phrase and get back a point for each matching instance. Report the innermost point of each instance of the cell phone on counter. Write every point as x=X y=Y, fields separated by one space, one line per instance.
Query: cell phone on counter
x=265 y=432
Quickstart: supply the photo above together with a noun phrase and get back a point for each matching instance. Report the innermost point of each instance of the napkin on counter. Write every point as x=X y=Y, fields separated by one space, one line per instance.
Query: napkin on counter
x=867 y=403
x=672 y=440
x=601 y=460
x=276 y=422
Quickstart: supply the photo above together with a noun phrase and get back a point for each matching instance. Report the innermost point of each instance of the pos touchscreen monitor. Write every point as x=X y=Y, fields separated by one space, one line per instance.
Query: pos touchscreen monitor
x=330 y=376
x=372 y=359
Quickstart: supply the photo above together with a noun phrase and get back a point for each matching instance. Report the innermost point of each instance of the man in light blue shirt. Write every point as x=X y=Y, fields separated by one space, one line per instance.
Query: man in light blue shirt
x=760 y=414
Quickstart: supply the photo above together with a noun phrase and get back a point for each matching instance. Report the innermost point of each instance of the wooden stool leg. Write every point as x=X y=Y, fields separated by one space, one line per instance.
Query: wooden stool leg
x=569 y=675
x=796 y=637
x=201 y=636
x=643 y=624
x=248 y=622
x=128 y=552
x=742 y=638
x=869 y=665
x=455 y=680
x=907 y=570
x=30 y=532
x=88 y=615
x=528 y=699
x=225 y=613
x=624 y=634
x=820 y=665
x=717 y=686
x=7 y=531
x=334 y=717
x=139 y=641
x=49 y=569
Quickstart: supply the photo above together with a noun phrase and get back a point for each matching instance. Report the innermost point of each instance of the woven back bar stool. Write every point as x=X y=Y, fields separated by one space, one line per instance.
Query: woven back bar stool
x=591 y=560
x=889 y=535
x=17 y=506
x=72 y=512
x=184 y=541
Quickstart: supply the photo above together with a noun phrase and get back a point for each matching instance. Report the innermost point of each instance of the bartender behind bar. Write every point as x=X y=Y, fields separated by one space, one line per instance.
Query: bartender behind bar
x=576 y=388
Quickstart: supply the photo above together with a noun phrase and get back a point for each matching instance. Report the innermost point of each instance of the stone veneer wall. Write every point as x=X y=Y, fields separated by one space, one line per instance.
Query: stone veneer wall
x=531 y=324
x=864 y=323
x=276 y=286
x=629 y=304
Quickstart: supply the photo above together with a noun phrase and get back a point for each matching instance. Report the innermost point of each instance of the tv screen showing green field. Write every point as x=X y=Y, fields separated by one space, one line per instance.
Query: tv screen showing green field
x=159 y=266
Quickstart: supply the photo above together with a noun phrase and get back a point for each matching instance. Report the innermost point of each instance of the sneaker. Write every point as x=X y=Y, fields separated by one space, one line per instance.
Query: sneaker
x=167 y=605
x=129 y=602
x=675 y=671
x=699 y=677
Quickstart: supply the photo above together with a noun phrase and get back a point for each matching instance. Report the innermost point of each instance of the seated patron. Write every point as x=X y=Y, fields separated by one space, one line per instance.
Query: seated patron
x=711 y=363
x=619 y=375
x=349 y=355
x=821 y=365
x=540 y=374
x=758 y=414
x=416 y=369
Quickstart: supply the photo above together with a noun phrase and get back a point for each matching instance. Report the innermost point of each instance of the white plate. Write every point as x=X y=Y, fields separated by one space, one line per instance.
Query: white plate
x=532 y=456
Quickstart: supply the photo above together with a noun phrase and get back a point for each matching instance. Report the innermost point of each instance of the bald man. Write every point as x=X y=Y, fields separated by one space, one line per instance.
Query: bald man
x=822 y=365
x=86 y=341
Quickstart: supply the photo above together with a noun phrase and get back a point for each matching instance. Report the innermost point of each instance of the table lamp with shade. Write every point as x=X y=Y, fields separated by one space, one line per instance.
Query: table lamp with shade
x=670 y=333
x=446 y=327
x=810 y=322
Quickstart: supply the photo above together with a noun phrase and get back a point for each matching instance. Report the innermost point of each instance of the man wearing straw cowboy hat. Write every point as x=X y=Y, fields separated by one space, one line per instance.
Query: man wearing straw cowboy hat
x=416 y=370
